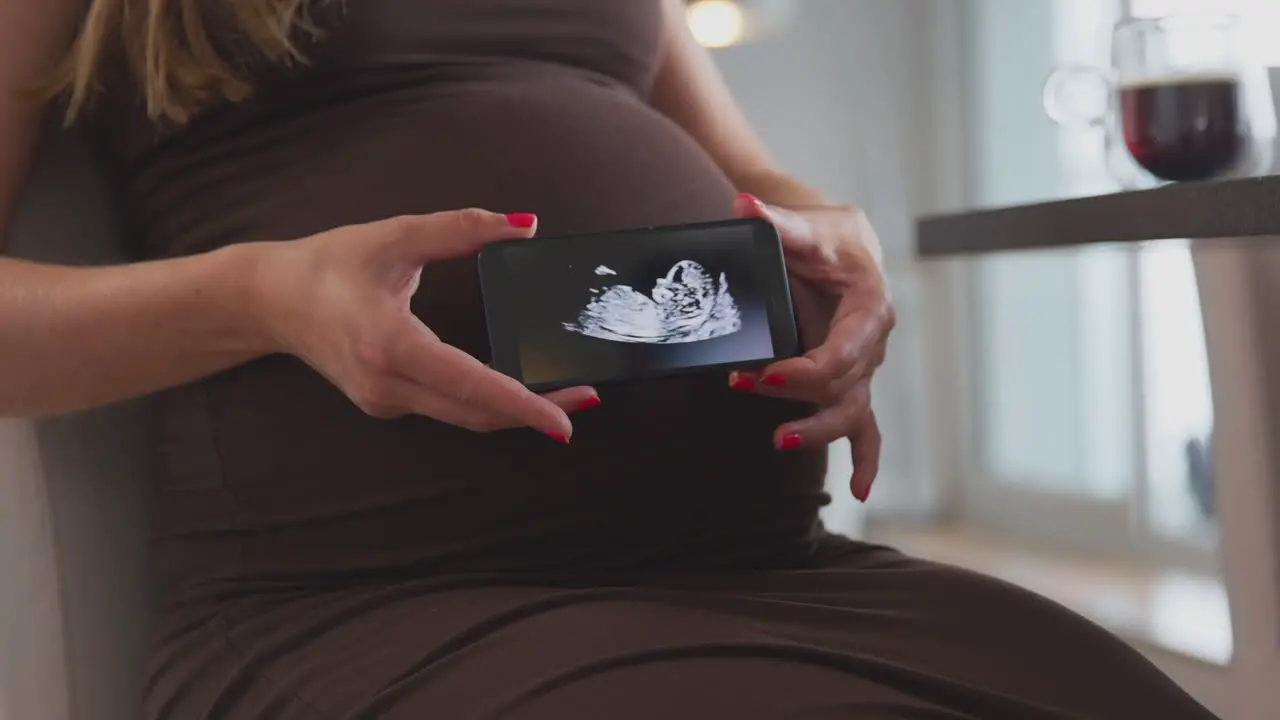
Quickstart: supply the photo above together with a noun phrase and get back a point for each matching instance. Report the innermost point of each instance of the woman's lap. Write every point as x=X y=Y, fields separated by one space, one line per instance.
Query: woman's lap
x=869 y=634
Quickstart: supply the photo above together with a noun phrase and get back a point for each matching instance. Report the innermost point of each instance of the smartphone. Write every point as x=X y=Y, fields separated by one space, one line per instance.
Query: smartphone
x=636 y=304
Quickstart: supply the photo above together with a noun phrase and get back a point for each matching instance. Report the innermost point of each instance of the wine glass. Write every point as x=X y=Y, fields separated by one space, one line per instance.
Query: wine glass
x=1184 y=100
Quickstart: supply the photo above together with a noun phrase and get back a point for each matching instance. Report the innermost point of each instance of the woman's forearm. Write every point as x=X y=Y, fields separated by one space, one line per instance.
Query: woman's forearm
x=74 y=338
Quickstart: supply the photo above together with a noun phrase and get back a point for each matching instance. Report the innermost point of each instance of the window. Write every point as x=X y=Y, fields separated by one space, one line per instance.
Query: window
x=1178 y=410
x=1178 y=413
x=1091 y=400
x=1263 y=19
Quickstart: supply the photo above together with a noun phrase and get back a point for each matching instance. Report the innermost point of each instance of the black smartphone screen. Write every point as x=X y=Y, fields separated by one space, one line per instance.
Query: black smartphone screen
x=638 y=303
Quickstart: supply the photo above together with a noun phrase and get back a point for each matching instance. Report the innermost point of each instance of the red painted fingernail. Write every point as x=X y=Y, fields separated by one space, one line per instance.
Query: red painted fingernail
x=862 y=497
x=522 y=220
x=558 y=438
x=742 y=382
x=589 y=403
x=753 y=200
x=790 y=442
x=774 y=380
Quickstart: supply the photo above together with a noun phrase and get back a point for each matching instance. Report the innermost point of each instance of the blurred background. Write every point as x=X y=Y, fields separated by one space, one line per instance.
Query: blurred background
x=1047 y=415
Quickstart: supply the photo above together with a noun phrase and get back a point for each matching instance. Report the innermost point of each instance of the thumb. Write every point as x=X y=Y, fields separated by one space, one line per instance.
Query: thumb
x=795 y=229
x=456 y=233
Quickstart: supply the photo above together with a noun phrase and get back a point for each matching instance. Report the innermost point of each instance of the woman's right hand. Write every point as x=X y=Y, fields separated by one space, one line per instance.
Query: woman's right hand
x=340 y=302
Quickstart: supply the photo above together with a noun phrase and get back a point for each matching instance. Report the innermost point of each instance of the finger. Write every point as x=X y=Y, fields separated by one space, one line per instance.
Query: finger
x=452 y=373
x=851 y=348
x=827 y=242
x=851 y=343
x=412 y=398
x=744 y=380
x=866 y=443
x=797 y=232
x=828 y=425
x=456 y=233
x=576 y=399
x=819 y=393
x=409 y=397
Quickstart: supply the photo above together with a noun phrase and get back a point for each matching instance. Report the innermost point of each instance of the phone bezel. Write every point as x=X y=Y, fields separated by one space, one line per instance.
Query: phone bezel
x=501 y=300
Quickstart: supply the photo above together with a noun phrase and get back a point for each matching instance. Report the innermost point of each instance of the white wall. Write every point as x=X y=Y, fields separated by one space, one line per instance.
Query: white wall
x=74 y=583
x=860 y=97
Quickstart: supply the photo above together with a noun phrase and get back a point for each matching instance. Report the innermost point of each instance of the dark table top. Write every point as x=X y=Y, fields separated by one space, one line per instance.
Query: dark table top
x=1223 y=209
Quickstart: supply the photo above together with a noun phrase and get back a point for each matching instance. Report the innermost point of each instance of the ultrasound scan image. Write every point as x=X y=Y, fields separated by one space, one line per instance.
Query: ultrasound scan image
x=604 y=307
x=687 y=305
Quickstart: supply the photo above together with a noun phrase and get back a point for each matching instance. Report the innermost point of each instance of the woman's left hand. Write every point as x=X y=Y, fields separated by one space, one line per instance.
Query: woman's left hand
x=845 y=317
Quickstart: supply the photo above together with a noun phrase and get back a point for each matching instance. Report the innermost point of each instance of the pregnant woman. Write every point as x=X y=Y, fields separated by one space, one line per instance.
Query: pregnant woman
x=355 y=518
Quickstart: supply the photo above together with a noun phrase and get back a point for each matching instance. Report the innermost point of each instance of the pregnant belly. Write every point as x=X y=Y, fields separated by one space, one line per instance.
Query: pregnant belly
x=667 y=474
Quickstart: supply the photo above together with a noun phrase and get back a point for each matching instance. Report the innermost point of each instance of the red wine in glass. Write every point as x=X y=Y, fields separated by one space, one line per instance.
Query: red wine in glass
x=1184 y=128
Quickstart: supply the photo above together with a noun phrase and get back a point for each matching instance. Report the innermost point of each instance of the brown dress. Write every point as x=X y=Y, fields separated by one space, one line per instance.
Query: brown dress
x=316 y=563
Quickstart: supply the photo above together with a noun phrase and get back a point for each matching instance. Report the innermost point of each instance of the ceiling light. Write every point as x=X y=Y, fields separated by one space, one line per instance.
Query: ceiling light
x=716 y=23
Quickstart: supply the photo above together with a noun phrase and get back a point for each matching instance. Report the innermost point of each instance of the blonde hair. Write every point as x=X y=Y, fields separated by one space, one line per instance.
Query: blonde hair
x=183 y=55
